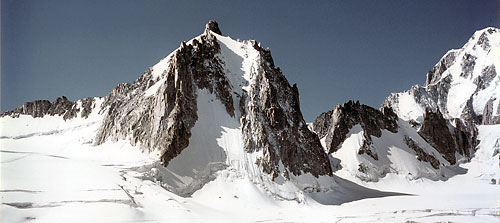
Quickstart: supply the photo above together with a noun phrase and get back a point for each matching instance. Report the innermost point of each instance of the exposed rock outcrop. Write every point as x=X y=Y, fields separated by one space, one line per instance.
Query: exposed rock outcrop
x=470 y=70
x=489 y=117
x=268 y=108
x=273 y=123
x=164 y=120
x=435 y=130
x=341 y=119
x=213 y=26
x=421 y=154
x=60 y=107
x=36 y=109
x=159 y=110
x=446 y=138
x=498 y=112
x=460 y=93
x=435 y=74
x=322 y=123
x=370 y=143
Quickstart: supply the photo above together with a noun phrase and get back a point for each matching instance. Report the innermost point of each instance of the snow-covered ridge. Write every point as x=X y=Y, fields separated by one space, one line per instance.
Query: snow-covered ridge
x=212 y=105
x=463 y=81
x=367 y=144
x=441 y=119
x=43 y=117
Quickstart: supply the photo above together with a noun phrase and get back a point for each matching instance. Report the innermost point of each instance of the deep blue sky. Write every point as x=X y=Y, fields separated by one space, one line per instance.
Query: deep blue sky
x=333 y=50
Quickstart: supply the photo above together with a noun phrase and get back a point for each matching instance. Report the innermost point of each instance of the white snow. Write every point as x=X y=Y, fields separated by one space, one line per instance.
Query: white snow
x=162 y=66
x=460 y=91
x=240 y=59
x=215 y=143
x=26 y=125
x=408 y=108
x=57 y=178
x=462 y=87
x=154 y=88
x=394 y=156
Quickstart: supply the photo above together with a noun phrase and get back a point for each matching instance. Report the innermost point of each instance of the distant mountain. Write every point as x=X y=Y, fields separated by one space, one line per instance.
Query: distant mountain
x=464 y=84
x=461 y=92
x=370 y=143
x=425 y=131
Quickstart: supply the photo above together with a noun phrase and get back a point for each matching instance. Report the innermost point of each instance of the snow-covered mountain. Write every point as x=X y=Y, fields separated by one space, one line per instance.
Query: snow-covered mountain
x=463 y=84
x=461 y=92
x=214 y=132
x=423 y=132
x=370 y=143
x=214 y=103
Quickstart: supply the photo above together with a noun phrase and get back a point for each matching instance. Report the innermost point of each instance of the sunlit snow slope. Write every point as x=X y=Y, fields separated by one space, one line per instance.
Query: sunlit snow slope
x=60 y=178
x=463 y=80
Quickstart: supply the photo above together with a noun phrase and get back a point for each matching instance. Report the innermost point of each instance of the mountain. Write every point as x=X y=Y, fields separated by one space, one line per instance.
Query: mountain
x=461 y=85
x=423 y=132
x=214 y=103
x=369 y=144
x=461 y=92
x=213 y=132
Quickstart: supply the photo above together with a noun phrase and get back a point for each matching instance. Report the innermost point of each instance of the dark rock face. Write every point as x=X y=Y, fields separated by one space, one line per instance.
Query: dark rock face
x=487 y=75
x=322 y=123
x=36 y=109
x=88 y=105
x=448 y=140
x=213 y=26
x=434 y=94
x=451 y=132
x=344 y=117
x=436 y=72
x=421 y=154
x=488 y=116
x=482 y=82
x=465 y=135
x=169 y=129
x=270 y=112
x=483 y=40
x=498 y=112
x=468 y=63
x=469 y=115
x=61 y=107
x=435 y=131
x=273 y=123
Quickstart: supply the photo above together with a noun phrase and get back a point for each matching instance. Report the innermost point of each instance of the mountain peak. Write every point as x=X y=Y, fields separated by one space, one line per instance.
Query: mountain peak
x=213 y=26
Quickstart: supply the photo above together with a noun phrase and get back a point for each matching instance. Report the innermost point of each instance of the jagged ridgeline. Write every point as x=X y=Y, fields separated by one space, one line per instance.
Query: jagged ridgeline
x=435 y=123
x=213 y=103
x=216 y=107
x=460 y=92
x=369 y=143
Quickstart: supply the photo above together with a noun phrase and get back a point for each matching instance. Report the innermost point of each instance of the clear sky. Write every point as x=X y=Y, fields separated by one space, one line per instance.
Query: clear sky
x=334 y=50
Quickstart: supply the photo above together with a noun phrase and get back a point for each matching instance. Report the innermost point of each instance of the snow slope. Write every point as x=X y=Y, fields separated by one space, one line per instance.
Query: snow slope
x=59 y=178
x=393 y=153
x=469 y=74
x=142 y=112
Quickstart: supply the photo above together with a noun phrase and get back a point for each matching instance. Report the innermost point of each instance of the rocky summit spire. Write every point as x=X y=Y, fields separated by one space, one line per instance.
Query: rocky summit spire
x=213 y=26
